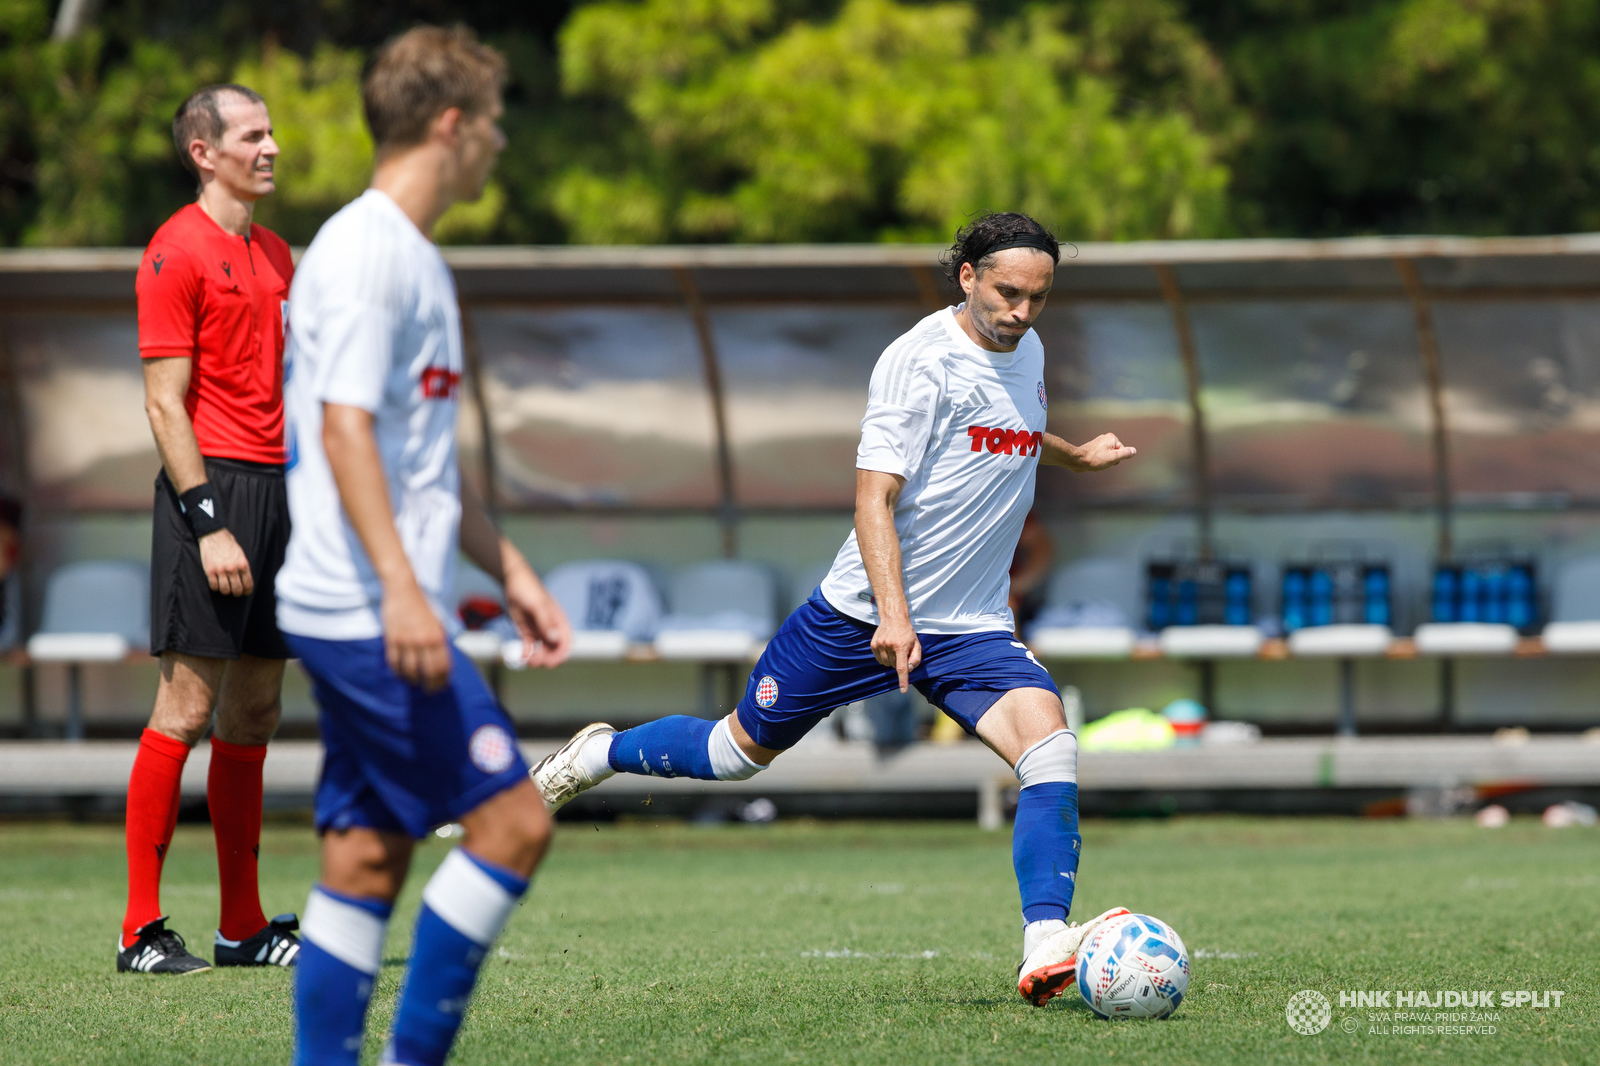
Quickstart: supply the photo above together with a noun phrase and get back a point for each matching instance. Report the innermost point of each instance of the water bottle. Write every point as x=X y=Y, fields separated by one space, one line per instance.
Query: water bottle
x=1471 y=609
x=1294 y=600
x=1444 y=594
x=1188 y=612
x=1236 y=589
x=1160 y=603
x=1494 y=594
x=1375 y=588
x=1321 y=597
x=1520 y=597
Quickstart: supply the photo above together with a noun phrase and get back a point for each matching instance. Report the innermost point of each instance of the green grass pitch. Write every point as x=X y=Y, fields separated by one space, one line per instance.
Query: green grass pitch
x=858 y=943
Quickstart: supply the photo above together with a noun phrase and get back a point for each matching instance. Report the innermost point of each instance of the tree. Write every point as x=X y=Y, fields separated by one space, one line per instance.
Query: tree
x=1415 y=115
x=82 y=139
x=887 y=122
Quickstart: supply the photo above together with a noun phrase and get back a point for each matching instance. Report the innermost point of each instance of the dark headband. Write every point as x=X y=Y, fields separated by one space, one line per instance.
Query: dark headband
x=1021 y=240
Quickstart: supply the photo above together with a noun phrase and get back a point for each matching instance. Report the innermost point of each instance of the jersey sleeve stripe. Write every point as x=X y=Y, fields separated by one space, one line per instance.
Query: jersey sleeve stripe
x=896 y=383
x=915 y=347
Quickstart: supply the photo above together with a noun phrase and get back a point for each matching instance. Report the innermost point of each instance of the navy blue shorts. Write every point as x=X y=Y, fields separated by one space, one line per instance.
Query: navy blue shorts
x=398 y=759
x=820 y=660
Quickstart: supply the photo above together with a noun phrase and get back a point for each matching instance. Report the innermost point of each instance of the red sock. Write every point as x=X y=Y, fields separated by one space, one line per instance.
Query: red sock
x=152 y=814
x=233 y=792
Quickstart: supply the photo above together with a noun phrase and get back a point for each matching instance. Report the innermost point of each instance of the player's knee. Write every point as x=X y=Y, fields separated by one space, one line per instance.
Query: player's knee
x=249 y=722
x=1055 y=758
x=182 y=719
x=534 y=826
x=362 y=862
x=728 y=760
x=524 y=824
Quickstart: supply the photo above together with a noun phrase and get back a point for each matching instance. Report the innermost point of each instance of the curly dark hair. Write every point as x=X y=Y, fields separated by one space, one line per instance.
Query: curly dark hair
x=977 y=242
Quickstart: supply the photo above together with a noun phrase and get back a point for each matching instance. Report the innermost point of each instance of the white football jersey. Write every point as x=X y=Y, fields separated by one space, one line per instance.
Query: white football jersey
x=963 y=426
x=374 y=324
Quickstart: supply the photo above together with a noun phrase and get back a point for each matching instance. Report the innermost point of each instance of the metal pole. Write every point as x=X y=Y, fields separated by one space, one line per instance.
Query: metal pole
x=713 y=371
x=1197 y=419
x=1208 y=686
x=1347 y=698
x=472 y=354
x=74 y=702
x=1444 y=502
x=11 y=394
x=1447 y=695
x=1433 y=378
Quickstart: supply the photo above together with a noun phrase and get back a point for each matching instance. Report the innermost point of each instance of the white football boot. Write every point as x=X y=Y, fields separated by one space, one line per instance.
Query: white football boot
x=1053 y=964
x=559 y=776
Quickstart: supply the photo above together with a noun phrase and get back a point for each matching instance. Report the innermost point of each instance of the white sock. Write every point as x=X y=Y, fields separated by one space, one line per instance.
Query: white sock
x=349 y=933
x=468 y=899
x=728 y=760
x=1033 y=933
x=594 y=758
x=1055 y=758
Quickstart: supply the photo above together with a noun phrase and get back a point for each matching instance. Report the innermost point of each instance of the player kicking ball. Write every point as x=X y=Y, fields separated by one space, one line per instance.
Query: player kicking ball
x=413 y=736
x=918 y=595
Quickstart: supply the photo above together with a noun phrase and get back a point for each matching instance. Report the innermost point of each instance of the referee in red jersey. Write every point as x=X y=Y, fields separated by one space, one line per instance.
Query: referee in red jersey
x=212 y=291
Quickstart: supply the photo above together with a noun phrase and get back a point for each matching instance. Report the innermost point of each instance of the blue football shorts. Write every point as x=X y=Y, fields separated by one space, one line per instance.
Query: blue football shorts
x=820 y=660
x=398 y=759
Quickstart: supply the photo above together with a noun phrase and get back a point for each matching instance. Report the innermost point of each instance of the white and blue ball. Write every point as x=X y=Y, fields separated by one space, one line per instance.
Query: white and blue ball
x=1133 y=966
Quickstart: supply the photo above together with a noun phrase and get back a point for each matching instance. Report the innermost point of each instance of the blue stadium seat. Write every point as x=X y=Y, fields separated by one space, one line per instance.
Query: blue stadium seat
x=721 y=611
x=1089 y=611
x=1575 y=609
x=610 y=603
x=94 y=612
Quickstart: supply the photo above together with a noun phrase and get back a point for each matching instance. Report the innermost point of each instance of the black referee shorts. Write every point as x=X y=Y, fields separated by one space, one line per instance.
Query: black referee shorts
x=185 y=615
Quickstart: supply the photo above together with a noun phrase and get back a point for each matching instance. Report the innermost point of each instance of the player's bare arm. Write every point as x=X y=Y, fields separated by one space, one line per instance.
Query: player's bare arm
x=415 y=642
x=1102 y=453
x=546 y=633
x=895 y=643
x=166 y=382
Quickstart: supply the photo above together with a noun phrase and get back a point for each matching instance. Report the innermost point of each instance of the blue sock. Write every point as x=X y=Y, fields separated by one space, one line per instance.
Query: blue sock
x=464 y=906
x=1044 y=849
x=676 y=746
x=341 y=949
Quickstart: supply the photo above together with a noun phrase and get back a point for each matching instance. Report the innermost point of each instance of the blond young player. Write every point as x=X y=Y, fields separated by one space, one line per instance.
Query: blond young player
x=413 y=736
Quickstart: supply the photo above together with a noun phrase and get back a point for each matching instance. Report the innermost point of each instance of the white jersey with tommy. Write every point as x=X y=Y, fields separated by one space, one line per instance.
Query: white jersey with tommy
x=963 y=426
x=374 y=325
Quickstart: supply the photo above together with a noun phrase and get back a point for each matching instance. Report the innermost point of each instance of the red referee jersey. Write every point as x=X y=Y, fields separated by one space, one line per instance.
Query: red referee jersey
x=220 y=300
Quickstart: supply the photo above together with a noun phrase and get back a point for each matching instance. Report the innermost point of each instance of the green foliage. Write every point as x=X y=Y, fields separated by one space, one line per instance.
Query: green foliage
x=471 y=223
x=769 y=120
x=98 y=130
x=887 y=122
x=325 y=150
x=1417 y=115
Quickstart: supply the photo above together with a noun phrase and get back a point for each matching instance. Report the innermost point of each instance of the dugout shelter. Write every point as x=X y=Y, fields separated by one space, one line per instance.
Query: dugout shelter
x=1415 y=400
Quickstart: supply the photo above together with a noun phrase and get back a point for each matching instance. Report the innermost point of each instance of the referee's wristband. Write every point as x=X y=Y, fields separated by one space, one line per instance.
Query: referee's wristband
x=202 y=510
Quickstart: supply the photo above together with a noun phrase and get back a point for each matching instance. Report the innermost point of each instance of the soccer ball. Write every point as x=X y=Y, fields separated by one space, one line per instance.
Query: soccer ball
x=1134 y=966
